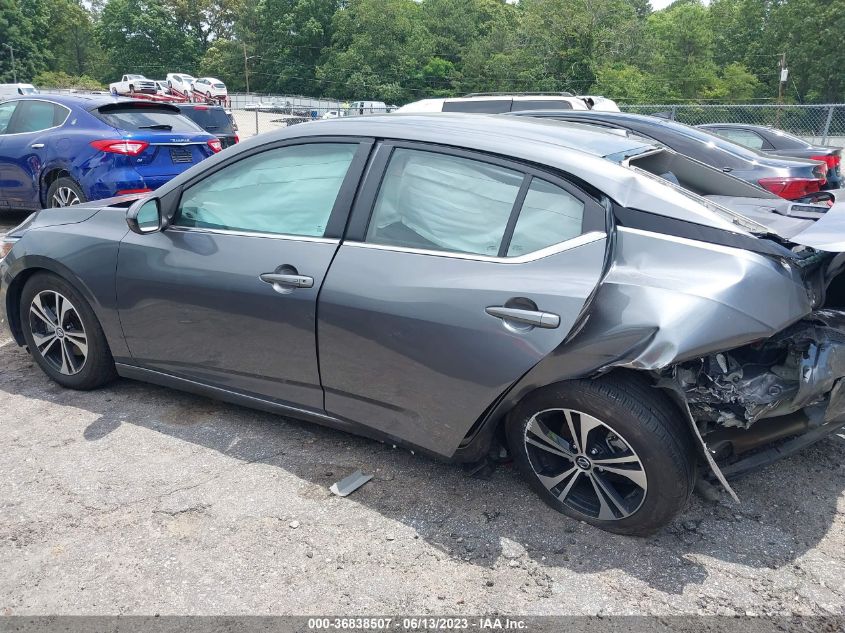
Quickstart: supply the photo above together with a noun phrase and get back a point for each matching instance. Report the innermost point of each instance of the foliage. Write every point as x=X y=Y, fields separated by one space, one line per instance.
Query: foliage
x=401 y=50
x=59 y=79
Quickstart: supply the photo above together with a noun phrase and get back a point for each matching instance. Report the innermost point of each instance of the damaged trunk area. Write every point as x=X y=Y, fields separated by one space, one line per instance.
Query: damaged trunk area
x=763 y=394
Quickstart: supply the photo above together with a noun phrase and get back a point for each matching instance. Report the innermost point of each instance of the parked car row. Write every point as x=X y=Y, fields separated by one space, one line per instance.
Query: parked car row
x=593 y=293
x=64 y=150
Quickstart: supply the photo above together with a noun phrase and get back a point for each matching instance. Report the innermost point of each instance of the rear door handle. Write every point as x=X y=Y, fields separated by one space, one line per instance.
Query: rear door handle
x=535 y=318
x=37 y=145
x=291 y=281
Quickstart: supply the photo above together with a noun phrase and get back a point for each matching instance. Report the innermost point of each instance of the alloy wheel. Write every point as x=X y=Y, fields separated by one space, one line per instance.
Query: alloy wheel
x=58 y=332
x=587 y=465
x=65 y=197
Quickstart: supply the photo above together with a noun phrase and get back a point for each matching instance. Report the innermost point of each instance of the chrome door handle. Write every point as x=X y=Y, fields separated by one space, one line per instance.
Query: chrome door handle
x=534 y=318
x=293 y=281
x=37 y=145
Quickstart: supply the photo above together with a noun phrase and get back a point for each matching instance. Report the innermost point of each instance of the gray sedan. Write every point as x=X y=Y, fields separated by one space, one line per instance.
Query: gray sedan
x=459 y=284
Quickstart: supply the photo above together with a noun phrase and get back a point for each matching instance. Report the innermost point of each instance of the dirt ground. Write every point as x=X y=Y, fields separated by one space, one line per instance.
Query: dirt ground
x=136 y=499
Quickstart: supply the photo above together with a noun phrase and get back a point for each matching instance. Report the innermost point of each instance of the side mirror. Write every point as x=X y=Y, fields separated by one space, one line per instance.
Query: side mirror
x=144 y=216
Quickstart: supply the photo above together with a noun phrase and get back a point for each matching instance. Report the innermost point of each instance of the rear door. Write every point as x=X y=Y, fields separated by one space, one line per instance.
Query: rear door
x=459 y=273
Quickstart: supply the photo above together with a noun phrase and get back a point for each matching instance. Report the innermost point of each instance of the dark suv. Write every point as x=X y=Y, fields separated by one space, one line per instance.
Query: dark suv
x=213 y=119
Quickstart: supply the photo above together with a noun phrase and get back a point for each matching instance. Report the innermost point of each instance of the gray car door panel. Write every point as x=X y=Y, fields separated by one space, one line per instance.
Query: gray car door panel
x=193 y=304
x=408 y=347
x=227 y=296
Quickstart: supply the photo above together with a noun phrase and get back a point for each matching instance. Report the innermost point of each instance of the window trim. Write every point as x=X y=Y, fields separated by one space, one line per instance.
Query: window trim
x=593 y=223
x=340 y=210
x=17 y=103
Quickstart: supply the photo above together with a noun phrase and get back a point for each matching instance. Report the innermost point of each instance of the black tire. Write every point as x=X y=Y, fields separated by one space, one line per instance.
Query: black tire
x=61 y=184
x=636 y=419
x=97 y=368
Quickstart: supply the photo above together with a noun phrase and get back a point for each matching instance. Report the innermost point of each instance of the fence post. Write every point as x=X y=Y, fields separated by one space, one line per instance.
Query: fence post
x=827 y=124
x=674 y=113
x=256 y=120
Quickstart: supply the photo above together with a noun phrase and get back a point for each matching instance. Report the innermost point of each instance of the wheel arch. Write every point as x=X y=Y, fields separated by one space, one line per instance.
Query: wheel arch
x=30 y=266
x=48 y=177
x=489 y=428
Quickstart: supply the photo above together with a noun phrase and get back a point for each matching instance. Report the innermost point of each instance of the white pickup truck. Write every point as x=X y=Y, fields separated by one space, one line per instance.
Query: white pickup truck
x=130 y=84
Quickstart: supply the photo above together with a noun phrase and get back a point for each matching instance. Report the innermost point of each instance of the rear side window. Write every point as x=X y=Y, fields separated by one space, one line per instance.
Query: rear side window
x=743 y=137
x=213 y=120
x=439 y=202
x=542 y=104
x=481 y=106
x=549 y=215
x=135 y=119
x=34 y=116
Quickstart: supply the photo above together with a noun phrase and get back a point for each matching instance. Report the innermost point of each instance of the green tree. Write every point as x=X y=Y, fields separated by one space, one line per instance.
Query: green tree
x=143 y=36
x=377 y=46
x=21 y=23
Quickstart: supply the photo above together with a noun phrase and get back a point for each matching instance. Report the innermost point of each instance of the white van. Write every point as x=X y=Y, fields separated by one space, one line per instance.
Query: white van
x=16 y=90
x=366 y=107
x=499 y=103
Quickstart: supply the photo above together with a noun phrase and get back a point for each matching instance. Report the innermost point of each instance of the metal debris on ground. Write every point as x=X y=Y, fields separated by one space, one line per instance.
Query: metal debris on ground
x=350 y=484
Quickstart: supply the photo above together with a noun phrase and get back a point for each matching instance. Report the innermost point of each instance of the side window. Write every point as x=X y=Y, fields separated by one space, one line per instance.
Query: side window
x=6 y=111
x=482 y=106
x=549 y=215
x=435 y=201
x=290 y=190
x=742 y=137
x=34 y=116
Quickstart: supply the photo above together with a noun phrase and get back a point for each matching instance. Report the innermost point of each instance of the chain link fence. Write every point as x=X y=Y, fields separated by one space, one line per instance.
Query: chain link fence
x=823 y=124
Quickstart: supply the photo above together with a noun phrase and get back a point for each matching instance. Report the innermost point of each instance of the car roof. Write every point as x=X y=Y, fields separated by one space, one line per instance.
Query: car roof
x=749 y=126
x=474 y=131
x=194 y=106
x=86 y=101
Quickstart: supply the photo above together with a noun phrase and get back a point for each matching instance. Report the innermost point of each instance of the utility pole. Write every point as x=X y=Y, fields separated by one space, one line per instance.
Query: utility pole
x=14 y=71
x=783 y=74
x=246 y=69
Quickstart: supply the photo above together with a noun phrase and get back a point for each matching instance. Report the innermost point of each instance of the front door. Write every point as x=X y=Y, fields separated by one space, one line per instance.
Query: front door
x=226 y=295
x=467 y=272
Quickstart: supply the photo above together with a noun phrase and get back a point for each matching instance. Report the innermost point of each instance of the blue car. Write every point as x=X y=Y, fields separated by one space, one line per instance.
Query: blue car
x=56 y=151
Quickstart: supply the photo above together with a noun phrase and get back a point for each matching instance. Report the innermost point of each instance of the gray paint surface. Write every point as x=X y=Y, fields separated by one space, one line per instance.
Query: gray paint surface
x=401 y=343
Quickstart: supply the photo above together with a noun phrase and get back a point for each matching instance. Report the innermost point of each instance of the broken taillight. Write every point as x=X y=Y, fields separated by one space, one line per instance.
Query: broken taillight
x=831 y=160
x=792 y=188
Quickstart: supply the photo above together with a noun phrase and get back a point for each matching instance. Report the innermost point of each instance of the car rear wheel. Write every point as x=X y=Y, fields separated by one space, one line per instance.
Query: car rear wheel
x=64 y=192
x=63 y=334
x=613 y=452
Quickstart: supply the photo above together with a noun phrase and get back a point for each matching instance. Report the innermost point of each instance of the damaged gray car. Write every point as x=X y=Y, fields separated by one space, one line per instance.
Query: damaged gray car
x=622 y=318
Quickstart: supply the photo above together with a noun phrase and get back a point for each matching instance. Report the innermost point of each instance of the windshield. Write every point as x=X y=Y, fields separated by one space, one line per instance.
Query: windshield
x=135 y=77
x=135 y=118
x=27 y=90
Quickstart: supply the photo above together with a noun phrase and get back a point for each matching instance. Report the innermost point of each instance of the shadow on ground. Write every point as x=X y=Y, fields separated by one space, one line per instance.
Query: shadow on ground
x=787 y=508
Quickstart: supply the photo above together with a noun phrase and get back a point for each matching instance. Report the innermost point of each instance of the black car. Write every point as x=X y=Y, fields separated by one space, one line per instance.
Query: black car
x=213 y=119
x=780 y=143
x=790 y=178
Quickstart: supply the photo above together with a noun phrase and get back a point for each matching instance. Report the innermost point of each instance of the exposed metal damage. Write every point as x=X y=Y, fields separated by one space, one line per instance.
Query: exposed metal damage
x=799 y=368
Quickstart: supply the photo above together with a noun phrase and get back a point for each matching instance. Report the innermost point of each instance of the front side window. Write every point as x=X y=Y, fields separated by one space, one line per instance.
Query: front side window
x=290 y=190
x=34 y=116
x=439 y=202
x=6 y=111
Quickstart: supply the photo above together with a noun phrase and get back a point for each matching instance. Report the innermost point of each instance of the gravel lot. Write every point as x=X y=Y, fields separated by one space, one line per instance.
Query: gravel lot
x=136 y=499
